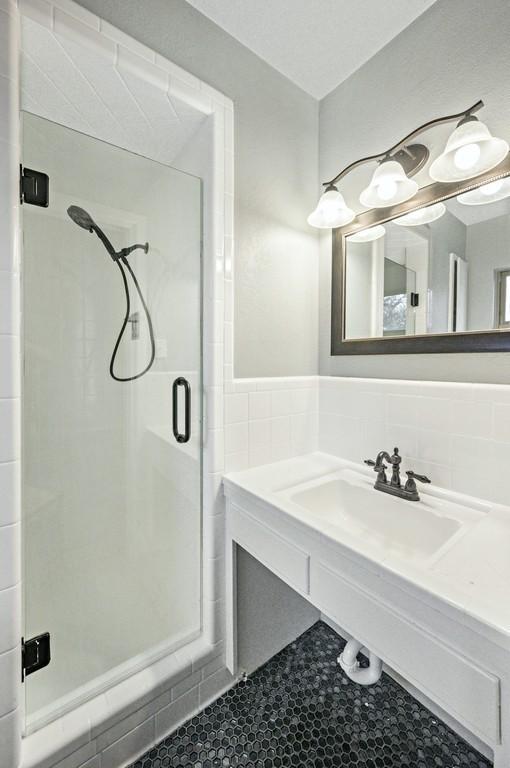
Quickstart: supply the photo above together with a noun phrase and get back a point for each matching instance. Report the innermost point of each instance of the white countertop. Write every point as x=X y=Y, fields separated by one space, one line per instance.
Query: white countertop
x=471 y=572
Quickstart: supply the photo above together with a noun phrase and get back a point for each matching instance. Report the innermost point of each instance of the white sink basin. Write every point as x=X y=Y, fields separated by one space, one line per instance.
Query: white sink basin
x=328 y=506
x=347 y=501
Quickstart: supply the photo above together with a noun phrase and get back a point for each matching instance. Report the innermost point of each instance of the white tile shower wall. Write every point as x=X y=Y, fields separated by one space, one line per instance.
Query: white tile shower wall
x=456 y=434
x=269 y=420
x=10 y=513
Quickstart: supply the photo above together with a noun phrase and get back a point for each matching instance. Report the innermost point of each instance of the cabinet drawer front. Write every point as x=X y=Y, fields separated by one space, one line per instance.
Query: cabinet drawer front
x=469 y=693
x=280 y=556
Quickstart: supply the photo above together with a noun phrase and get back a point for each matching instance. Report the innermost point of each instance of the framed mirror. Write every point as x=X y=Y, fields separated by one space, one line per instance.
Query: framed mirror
x=429 y=275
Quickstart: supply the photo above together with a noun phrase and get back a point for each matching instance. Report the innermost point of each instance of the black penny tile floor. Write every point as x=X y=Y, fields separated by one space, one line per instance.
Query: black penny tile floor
x=300 y=709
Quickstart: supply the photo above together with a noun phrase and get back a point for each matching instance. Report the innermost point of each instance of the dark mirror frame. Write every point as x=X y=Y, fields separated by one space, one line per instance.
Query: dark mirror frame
x=470 y=341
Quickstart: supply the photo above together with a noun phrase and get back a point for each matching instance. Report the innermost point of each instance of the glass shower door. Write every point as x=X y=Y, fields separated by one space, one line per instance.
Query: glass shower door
x=111 y=499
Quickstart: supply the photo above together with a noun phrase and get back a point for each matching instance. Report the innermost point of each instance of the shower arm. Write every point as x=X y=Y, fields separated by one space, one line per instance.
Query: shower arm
x=116 y=255
x=126 y=251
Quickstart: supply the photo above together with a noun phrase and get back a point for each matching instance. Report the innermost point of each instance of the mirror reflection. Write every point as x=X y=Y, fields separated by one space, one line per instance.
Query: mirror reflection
x=440 y=269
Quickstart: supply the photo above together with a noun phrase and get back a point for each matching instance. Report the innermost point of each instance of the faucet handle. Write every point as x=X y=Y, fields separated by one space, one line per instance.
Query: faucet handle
x=422 y=478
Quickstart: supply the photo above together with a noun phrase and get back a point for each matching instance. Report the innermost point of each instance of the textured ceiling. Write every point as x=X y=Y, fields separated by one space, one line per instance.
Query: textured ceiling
x=316 y=43
x=112 y=103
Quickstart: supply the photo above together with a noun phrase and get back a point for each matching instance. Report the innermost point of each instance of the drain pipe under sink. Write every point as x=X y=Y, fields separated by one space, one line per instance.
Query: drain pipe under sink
x=350 y=665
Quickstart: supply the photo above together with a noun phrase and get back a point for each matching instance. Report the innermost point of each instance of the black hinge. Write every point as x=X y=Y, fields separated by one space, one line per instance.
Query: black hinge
x=35 y=654
x=34 y=187
x=415 y=299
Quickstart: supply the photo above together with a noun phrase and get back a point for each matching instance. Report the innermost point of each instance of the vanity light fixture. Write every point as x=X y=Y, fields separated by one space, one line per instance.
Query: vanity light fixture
x=389 y=186
x=331 y=210
x=488 y=193
x=470 y=151
x=421 y=216
x=368 y=235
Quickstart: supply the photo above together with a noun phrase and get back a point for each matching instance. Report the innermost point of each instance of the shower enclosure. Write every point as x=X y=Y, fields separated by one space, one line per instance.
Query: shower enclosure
x=111 y=413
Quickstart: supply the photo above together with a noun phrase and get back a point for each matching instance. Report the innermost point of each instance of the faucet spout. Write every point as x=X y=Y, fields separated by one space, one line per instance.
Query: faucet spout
x=382 y=455
x=409 y=491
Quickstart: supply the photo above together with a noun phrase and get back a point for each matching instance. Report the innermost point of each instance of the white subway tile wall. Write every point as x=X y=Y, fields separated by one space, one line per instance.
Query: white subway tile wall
x=269 y=419
x=456 y=434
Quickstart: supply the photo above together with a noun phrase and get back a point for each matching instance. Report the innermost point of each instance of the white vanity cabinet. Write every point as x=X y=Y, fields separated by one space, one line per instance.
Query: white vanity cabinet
x=460 y=663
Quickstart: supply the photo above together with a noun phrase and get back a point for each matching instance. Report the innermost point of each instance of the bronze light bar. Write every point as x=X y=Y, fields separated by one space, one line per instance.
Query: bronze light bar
x=470 y=151
x=403 y=148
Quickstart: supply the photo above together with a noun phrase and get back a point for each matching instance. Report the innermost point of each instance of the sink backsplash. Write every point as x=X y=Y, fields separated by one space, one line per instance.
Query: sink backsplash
x=456 y=434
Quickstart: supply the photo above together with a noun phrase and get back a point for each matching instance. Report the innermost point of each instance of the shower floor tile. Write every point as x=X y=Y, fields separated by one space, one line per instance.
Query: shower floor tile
x=299 y=709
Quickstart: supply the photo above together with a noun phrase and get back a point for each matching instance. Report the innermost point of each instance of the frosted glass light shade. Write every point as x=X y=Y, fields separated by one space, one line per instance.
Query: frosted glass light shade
x=470 y=150
x=331 y=211
x=421 y=216
x=389 y=186
x=366 y=235
x=488 y=193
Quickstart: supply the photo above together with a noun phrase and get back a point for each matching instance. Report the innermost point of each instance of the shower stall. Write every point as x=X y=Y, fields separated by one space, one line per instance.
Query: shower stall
x=111 y=498
x=120 y=235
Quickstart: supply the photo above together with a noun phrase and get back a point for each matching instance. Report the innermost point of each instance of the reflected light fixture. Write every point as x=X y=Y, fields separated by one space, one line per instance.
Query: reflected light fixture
x=367 y=235
x=421 y=216
x=331 y=210
x=488 y=193
x=389 y=186
x=470 y=150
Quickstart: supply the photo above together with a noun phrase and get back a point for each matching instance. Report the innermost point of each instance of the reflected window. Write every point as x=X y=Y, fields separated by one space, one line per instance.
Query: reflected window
x=399 y=283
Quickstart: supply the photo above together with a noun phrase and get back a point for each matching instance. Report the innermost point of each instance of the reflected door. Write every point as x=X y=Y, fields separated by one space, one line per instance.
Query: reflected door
x=111 y=500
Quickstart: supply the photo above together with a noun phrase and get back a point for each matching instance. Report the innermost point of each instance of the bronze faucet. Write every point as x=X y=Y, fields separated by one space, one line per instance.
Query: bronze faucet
x=409 y=491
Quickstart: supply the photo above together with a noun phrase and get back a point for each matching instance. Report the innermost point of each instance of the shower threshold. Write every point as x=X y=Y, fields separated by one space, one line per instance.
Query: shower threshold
x=110 y=680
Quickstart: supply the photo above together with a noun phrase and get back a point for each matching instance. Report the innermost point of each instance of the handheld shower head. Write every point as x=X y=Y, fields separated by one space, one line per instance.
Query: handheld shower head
x=85 y=220
x=81 y=217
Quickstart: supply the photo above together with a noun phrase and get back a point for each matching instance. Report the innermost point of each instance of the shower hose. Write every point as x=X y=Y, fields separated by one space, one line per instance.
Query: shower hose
x=121 y=266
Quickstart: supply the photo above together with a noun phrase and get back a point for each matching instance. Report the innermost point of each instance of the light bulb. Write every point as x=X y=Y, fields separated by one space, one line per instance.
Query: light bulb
x=331 y=211
x=492 y=188
x=469 y=151
x=422 y=216
x=389 y=186
x=387 y=189
x=367 y=235
x=467 y=156
x=493 y=191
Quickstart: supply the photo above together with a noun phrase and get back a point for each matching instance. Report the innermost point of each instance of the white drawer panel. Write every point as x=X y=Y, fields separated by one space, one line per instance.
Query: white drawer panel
x=285 y=559
x=469 y=693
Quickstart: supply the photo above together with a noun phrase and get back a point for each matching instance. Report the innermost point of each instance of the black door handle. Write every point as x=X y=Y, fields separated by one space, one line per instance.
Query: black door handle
x=179 y=436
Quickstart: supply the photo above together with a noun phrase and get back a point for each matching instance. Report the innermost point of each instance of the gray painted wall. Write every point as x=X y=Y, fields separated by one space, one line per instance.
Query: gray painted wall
x=488 y=249
x=272 y=617
x=276 y=280
x=453 y=54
